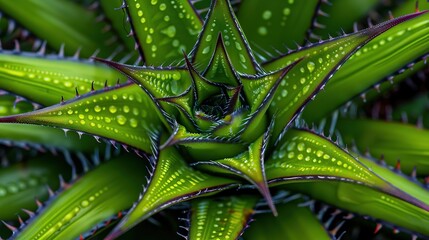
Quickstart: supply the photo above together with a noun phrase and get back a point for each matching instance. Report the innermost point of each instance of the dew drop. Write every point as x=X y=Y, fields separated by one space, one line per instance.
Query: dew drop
x=238 y=46
x=149 y=39
x=284 y=93
x=162 y=7
x=154 y=2
x=286 y=11
x=266 y=15
x=112 y=109
x=84 y=203
x=262 y=31
x=126 y=109
x=121 y=119
x=206 y=50
x=167 y=18
x=170 y=31
x=133 y=122
x=3 y=192
x=311 y=66
x=97 y=108
x=70 y=112
x=209 y=38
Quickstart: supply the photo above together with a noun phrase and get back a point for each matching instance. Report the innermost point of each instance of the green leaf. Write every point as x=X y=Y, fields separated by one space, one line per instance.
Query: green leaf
x=198 y=144
x=89 y=201
x=293 y=222
x=45 y=80
x=171 y=182
x=163 y=29
x=381 y=57
x=390 y=140
x=248 y=165
x=120 y=113
x=305 y=156
x=224 y=218
x=275 y=25
x=49 y=17
x=319 y=63
x=25 y=181
x=221 y=20
x=369 y=201
x=340 y=16
x=37 y=136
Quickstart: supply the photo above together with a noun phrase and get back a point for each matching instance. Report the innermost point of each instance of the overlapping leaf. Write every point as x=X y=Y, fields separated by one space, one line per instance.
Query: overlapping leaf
x=89 y=201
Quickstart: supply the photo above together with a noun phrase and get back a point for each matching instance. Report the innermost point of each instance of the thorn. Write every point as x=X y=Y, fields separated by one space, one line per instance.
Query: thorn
x=105 y=84
x=77 y=54
x=61 y=51
x=42 y=49
x=414 y=173
x=10 y=227
x=92 y=86
x=77 y=92
x=395 y=230
x=417 y=6
x=377 y=228
x=62 y=100
x=51 y=193
x=28 y=212
x=398 y=166
x=39 y=204
x=391 y=15
x=21 y=222
x=17 y=47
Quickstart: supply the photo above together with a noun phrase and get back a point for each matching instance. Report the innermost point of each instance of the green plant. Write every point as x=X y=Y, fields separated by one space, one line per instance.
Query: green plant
x=218 y=111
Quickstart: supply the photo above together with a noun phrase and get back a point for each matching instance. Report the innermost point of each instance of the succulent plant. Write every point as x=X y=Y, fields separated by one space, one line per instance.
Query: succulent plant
x=213 y=112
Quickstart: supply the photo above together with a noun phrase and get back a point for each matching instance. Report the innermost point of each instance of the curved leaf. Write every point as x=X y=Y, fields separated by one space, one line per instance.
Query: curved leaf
x=89 y=201
x=224 y=218
x=163 y=29
x=83 y=33
x=23 y=182
x=120 y=113
x=45 y=80
x=172 y=181
x=381 y=57
x=390 y=140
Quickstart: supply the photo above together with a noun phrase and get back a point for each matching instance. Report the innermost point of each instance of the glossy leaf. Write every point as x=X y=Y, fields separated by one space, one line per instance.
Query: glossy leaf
x=89 y=201
x=120 y=113
x=293 y=222
x=221 y=20
x=381 y=57
x=368 y=201
x=45 y=80
x=305 y=156
x=83 y=33
x=391 y=141
x=248 y=165
x=171 y=182
x=318 y=65
x=163 y=29
x=275 y=25
x=23 y=182
x=224 y=218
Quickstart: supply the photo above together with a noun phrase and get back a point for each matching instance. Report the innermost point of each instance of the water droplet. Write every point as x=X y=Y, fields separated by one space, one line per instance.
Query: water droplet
x=140 y=13
x=286 y=11
x=302 y=80
x=209 y=38
x=84 y=203
x=175 y=43
x=167 y=18
x=291 y=1
x=154 y=2
x=300 y=146
x=81 y=116
x=242 y=58
x=238 y=46
x=305 y=89
x=284 y=93
x=97 y=108
x=262 y=31
x=170 y=31
x=112 y=109
x=121 y=119
x=311 y=66
x=206 y=50
x=70 y=112
x=133 y=122
x=282 y=154
x=126 y=109
x=162 y=7
x=266 y=15
x=149 y=39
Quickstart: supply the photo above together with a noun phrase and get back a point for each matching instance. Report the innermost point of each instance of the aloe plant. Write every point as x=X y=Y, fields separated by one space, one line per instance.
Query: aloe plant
x=226 y=110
